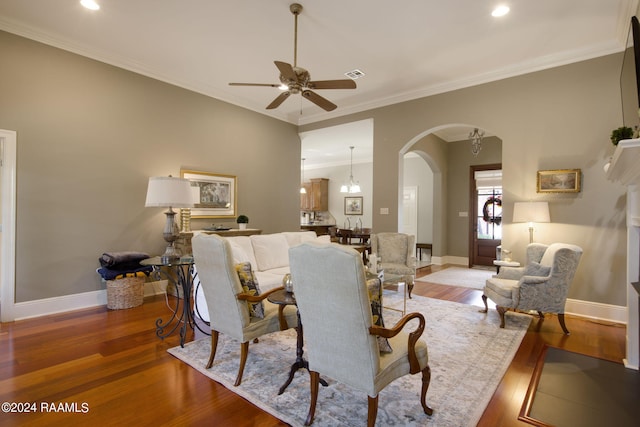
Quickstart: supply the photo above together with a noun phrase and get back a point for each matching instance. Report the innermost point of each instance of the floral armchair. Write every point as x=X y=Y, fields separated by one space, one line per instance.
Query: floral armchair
x=396 y=252
x=542 y=285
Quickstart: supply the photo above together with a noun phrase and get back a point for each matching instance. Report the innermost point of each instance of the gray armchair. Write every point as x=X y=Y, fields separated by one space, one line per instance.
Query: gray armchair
x=396 y=252
x=542 y=285
x=227 y=300
x=330 y=287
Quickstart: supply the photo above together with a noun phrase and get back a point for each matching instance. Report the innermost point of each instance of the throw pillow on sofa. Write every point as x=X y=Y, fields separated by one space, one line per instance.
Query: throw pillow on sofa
x=250 y=285
x=374 y=286
x=271 y=250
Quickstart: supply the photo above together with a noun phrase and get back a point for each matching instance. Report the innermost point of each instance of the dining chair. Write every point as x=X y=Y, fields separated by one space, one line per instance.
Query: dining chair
x=330 y=286
x=236 y=306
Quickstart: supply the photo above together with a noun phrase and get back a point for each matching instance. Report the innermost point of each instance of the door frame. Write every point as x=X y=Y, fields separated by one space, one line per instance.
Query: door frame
x=8 y=141
x=473 y=199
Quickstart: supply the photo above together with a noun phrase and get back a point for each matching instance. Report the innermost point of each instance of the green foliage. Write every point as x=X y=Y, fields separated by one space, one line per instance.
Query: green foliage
x=242 y=219
x=621 y=133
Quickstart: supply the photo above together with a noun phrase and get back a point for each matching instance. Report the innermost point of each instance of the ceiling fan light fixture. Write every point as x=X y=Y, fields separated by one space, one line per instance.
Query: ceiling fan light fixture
x=296 y=80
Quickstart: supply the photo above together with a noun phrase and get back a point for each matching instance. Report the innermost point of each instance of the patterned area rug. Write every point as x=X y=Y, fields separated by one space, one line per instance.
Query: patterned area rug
x=468 y=354
x=455 y=276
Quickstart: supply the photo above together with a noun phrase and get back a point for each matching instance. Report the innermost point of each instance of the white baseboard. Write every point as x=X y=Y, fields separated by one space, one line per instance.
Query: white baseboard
x=595 y=310
x=43 y=307
x=46 y=306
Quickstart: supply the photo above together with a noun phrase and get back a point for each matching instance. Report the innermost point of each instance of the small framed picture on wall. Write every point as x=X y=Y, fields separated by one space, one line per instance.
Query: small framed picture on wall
x=353 y=205
x=559 y=181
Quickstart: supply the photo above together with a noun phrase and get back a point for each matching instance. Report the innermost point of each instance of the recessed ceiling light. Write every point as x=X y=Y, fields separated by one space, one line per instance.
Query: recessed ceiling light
x=500 y=11
x=90 y=4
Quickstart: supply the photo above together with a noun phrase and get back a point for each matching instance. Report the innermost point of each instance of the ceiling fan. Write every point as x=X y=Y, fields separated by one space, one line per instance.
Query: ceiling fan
x=296 y=79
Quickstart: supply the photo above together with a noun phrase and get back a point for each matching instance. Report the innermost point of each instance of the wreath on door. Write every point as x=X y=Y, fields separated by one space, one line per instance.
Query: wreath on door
x=490 y=204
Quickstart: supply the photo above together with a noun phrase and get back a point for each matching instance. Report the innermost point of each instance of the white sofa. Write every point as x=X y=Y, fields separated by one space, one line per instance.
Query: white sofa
x=269 y=258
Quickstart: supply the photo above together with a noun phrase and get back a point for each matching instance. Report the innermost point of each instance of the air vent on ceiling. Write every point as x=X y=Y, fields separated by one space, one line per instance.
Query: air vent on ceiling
x=355 y=74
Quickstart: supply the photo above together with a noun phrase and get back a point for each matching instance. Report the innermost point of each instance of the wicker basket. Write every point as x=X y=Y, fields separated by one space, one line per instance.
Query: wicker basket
x=125 y=293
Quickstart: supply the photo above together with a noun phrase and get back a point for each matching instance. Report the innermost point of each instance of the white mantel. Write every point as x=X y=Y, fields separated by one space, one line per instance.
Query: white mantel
x=625 y=168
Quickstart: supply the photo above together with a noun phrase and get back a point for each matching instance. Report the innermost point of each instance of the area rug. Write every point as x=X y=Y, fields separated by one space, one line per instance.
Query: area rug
x=455 y=276
x=468 y=355
x=570 y=389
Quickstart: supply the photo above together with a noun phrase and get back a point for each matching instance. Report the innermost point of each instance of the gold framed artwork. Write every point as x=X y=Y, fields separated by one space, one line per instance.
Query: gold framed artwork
x=353 y=205
x=559 y=181
x=214 y=194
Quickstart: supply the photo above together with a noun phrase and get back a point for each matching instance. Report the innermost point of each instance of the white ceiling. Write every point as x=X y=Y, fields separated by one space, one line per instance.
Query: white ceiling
x=407 y=48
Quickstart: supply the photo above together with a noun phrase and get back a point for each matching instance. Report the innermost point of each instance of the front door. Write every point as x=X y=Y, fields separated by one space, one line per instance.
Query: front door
x=486 y=218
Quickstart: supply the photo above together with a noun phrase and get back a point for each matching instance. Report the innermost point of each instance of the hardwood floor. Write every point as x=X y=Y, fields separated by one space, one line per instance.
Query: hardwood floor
x=115 y=370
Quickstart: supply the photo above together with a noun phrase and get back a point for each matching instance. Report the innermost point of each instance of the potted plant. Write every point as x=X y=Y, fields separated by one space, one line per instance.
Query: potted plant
x=621 y=133
x=242 y=221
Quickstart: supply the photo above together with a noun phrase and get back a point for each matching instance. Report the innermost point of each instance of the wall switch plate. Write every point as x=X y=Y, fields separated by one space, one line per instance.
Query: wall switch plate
x=384 y=211
x=463 y=214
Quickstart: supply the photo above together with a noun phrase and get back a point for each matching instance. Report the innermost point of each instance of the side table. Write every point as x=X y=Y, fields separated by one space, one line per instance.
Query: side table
x=284 y=298
x=184 y=281
x=499 y=264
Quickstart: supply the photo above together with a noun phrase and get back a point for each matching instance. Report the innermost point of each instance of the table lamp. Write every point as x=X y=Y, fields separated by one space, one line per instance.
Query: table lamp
x=168 y=192
x=531 y=212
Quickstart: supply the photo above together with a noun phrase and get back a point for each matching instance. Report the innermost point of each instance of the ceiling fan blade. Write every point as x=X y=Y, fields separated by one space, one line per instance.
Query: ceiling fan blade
x=332 y=84
x=321 y=102
x=286 y=70
x=279 y=100
x=254 y=84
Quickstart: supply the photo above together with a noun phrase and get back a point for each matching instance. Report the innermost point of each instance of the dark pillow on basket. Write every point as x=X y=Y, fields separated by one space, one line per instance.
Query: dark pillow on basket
x=374 y=286
x=250 y=286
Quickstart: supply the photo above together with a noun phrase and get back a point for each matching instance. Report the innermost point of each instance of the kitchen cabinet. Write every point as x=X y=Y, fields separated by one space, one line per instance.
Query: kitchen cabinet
x=317 y=196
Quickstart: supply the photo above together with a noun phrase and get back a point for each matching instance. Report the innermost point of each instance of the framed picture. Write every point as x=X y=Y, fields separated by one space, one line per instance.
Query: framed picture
x=353 y=205
x=559 y=181
x=215 y=194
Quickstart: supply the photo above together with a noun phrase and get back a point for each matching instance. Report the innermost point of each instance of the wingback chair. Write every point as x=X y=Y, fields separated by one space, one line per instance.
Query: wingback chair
x=542 y=285
x=330 y=287
x=227 y=301
x=396 y=254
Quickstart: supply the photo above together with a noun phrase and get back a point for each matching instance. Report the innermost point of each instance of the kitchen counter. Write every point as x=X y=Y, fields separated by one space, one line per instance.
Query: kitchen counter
x=320 y=229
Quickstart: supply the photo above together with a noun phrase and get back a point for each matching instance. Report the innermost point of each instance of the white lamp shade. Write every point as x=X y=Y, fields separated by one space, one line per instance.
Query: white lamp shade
x=167 y=191
x=531 y=212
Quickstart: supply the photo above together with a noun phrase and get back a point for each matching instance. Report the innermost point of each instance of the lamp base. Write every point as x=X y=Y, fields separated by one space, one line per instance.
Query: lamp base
x=170 y=234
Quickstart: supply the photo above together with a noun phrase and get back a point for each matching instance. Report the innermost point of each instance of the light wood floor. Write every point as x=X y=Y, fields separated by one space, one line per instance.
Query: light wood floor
x=113 y=362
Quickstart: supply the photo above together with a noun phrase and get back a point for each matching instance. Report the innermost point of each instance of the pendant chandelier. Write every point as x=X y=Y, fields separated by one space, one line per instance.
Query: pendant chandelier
x=302 y=189
x=476 y=141
x=352 y=187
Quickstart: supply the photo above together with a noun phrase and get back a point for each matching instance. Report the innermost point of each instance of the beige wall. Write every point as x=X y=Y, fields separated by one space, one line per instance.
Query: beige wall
x=553 y=119
x=90 y=135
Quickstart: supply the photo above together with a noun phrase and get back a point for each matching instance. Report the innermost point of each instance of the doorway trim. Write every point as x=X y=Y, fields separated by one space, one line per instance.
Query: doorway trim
x=473 y=198
x=8 y=147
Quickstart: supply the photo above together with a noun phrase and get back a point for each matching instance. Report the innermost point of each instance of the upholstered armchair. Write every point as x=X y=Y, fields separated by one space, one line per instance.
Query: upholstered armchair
x=330 y=287
x=542 y=285
x=235 y=308
x=396 y=255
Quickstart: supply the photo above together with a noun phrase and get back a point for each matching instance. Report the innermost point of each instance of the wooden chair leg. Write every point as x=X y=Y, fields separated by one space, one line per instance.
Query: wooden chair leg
x=372 y=413
x=315 y=384
x=486 y=306
x=562 y=324
x=244 y=350
x=214 y=346
x=501 y=312
x=426 y=379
